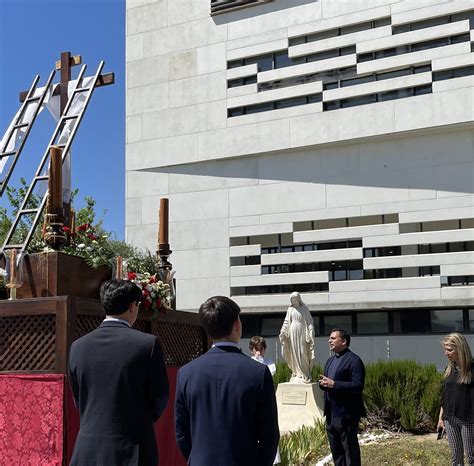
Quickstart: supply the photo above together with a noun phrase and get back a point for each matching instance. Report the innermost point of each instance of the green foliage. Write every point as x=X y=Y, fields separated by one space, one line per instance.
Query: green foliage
x=403 y=395
x=304 y=446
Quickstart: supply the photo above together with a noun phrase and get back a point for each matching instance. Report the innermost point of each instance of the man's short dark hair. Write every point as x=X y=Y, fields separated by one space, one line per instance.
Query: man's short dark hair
x=343 y=334
x=218 y=315
x=117 y=295
x=257 y=343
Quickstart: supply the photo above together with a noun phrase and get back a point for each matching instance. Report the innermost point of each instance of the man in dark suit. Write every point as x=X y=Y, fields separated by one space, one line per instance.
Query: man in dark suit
x=119 y=382
x=343 y=383
x=225 y=407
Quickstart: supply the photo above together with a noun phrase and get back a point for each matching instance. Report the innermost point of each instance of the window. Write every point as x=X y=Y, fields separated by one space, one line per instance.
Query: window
x=337 y=321
x=271 y=326
x=250 y=325
x=411 y=321
x=446 y=321
x=471 y=320
x=372 y=322
x=223 y=6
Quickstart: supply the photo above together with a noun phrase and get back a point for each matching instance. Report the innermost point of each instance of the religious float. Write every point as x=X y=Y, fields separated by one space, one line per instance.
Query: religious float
x=52 y=296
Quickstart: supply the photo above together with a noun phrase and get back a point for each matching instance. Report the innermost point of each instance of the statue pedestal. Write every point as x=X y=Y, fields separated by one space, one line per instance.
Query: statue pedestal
x=298 y=405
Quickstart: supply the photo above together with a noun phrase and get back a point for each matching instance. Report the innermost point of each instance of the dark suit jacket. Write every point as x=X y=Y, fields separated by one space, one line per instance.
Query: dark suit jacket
x=344 y=400
x=119 y=382
x=225 y=410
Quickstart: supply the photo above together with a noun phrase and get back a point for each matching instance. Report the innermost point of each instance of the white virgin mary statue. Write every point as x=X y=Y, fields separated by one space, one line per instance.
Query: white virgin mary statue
x=297 y=340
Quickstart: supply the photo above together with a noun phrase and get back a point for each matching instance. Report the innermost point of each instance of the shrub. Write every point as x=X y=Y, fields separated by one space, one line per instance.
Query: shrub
x=304 y=446
x=402 y=395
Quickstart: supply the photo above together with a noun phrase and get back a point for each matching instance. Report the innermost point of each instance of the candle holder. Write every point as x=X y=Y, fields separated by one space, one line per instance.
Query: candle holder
x=166 y=274
x=54 y=235
x=14 y=270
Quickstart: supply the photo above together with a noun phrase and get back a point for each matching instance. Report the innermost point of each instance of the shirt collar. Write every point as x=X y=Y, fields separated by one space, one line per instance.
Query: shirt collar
x=341 y=353
x=116 y=319
x=225 y=343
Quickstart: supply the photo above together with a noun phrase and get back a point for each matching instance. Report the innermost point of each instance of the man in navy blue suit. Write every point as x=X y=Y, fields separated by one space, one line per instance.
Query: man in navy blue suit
x=225 y=409
x=343 y=383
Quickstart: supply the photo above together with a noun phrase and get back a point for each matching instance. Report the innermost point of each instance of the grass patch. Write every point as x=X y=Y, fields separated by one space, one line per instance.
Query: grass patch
x=407 y=451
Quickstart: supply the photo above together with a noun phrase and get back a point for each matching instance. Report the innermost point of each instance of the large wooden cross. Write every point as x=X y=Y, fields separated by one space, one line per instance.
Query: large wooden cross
x=65 y=64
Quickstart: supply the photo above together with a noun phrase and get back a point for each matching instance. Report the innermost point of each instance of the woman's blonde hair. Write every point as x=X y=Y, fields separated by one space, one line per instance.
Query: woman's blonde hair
x=458 y=342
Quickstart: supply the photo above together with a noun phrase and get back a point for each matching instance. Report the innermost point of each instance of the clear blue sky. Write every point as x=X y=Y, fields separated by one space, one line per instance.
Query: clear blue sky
x=33 y=33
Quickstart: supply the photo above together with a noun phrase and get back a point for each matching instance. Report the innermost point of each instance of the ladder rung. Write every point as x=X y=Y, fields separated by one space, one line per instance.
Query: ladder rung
x=27 y=211
x=81 y=89
x=7 y=154
x=41 y=178
x=21 y=125
x=33 y=99
x=13 y=246
x=70 y=117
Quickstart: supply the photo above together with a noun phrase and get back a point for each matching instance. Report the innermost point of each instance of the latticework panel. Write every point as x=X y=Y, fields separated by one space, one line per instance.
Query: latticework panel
x=181 y=343
x=85 y=324
x=142 y=325
x=28 y=343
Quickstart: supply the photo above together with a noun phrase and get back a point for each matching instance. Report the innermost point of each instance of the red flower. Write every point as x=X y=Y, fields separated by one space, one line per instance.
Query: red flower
x=131 y=275
x=92 y=237
x=146 y=304
x=84 y=227
x=67 y=230
x=158 y=302
x=153 y=279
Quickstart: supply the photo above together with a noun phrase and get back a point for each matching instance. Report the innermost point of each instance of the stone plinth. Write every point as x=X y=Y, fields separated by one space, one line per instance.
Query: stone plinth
x=298 y=405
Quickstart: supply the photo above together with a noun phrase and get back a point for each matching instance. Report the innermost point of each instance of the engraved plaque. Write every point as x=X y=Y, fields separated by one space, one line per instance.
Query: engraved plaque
x=294 y=398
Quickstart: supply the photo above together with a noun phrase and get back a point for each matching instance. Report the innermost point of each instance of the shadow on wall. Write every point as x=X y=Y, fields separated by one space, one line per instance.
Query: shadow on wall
x=432 y=161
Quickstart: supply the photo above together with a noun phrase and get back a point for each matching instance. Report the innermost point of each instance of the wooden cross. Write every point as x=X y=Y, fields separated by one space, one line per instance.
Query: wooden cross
x=65 y=64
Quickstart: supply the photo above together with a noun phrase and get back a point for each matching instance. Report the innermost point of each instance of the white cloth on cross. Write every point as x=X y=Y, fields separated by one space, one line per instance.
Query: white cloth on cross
x=52 y=103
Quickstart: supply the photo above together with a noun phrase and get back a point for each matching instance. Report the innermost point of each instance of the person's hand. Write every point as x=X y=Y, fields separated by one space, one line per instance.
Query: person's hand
x=440 y=425
x=326 y=382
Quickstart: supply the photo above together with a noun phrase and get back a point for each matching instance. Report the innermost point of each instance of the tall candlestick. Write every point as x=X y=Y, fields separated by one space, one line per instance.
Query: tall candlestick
x=119 y=271
x=55 y=185
x=13 y=268
x=163 y=220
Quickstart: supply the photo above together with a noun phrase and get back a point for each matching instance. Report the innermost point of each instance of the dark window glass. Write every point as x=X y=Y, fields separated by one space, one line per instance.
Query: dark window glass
x=265 y=63
x=234 y=64
x=233 y=112
x=382 y=22
x=415 y=321
x=464 y=15
x=337 y=321
x=430 y=44
x=331 y=85
x=323 y=55
x=290 y=103
x=298 y=60
x=250 y=325
x=393 y=74
x=471 y=320
x=323 y=35
x=348 y=50
x=355 y=28
x=357 y=274
x=313 y=98
x=355 y=81
x=258 y=108
x=331 y=105
x=438 y=248
x=442 y=75
x=235 y=82
x=282 y=59
x=385 y=53
x=271 y=326
x=400 y=29
x=297 y=40
x=250 y=80
x=421 y=69
x=420 y=90
x=460 y=38
x=363 y=100
x=465 y=71
x=447 y=321
x=365 y=57
x=372 y=322
x=429 y=23
x=252 y=260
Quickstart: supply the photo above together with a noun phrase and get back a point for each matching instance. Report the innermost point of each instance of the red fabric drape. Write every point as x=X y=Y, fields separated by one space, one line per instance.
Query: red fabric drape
x=31 y=419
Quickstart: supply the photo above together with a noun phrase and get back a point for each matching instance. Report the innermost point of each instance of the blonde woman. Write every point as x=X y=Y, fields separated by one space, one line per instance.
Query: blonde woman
x=457 y=403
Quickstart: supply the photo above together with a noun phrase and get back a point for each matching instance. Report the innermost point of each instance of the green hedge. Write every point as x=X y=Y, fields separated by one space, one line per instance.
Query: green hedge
x=398 y=394
x=403 y=394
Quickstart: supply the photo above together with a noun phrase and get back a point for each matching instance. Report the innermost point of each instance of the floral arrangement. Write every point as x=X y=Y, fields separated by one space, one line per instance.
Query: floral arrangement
x=155 y=293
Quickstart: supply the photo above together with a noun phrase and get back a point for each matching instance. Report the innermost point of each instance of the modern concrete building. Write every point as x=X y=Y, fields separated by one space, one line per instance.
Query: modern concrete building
x=321 y=146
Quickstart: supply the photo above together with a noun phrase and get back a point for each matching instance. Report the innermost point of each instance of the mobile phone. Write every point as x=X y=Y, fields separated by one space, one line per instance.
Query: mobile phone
x=441 y=433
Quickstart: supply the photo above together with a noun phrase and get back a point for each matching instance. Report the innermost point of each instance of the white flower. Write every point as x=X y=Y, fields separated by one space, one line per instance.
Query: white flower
x=3 y=272
x=81 y=246
x=89 y=249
